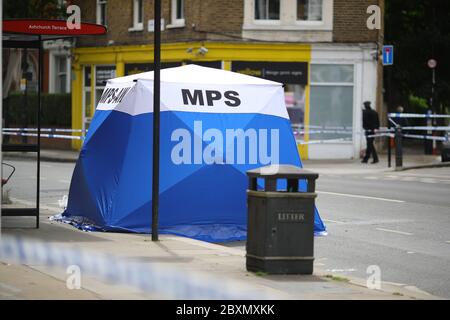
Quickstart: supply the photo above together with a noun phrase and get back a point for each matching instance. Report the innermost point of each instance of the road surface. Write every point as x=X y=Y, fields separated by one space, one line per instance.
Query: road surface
x=398 y=221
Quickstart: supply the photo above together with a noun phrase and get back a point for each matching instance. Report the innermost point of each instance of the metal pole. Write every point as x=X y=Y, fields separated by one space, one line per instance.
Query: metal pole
x=156 y=118
x=1 y=123
x=40 y=77
x=389 y=151
x=398 y=148
x=25 y=92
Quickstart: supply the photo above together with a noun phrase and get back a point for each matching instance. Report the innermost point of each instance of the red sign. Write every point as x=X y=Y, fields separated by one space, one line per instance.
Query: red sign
x=432 y=63
x=51 y=27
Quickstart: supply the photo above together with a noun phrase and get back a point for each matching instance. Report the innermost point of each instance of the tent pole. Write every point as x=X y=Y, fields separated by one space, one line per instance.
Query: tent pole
x=156 y=118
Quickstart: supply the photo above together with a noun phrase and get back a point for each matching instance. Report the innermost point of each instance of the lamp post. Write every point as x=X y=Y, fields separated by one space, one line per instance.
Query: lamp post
x=156 y=118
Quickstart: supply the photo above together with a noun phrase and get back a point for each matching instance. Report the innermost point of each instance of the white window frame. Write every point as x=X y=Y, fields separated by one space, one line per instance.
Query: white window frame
x=175 y=21
x=288 y=18
x=137 y=25
x=53 y=71
x=98 y=11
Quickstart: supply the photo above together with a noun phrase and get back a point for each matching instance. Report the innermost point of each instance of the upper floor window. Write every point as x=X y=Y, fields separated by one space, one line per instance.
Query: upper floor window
x=138 y=19
x=101 y=11
x=177 y=14
x=289 y=16
x=267 y=9
x=309 y=10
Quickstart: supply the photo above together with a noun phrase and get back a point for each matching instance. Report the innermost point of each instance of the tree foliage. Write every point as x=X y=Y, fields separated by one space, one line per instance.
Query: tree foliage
x=419 y=30
x=39 y=9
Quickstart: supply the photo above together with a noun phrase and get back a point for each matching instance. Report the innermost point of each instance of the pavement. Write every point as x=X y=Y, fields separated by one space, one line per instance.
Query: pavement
x=362 y=230
x=180 y=256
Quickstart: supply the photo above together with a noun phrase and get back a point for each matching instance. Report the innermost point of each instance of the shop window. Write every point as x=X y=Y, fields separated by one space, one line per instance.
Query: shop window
x=309 y=10
x=102 y=75
x=138 y=18
x=102 y=12
x=331 y=103
x=294 y=97
x=177 y=14
x=267 y=9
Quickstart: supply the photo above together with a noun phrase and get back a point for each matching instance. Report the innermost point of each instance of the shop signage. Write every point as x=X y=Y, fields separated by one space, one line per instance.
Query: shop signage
x=284 y=72
x=134 y=68
x=51 y=27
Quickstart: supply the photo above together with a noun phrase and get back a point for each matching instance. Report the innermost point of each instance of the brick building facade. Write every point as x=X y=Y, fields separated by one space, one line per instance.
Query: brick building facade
x=328 y=40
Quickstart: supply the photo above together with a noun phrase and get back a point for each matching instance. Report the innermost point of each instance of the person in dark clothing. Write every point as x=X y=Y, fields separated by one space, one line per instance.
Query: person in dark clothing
x=371 y=122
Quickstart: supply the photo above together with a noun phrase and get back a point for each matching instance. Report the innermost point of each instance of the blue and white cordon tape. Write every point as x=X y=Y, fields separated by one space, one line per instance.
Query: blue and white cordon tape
x=158 y=279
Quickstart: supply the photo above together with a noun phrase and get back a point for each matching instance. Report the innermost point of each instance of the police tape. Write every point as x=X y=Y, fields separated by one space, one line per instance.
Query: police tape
x=155 y=279
x=44 y=130
x=300 y=127
x=417 y=115
x=428 y=128
x=426 y=137
x=324 y=131
x=378 y=135
x=44 y=135
x=325 y=141
x=412 y=136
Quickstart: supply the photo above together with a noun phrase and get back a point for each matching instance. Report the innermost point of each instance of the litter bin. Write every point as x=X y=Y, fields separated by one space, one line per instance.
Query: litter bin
x=280 y=229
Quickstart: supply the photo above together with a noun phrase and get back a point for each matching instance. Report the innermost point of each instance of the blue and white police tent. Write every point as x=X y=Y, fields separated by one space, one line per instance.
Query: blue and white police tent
x=215 y=125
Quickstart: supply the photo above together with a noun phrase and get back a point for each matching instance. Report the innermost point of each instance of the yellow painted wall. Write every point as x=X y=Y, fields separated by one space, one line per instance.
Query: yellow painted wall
x=172 y=52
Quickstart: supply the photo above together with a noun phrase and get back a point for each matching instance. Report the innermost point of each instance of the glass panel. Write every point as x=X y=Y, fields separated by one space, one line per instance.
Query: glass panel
x=87 y=104
x=20 y=106
x=103 y=4
x=180 y=9
x=315 y=10
x=274 y=9
x=62 y=63
x=309 y=10
x=87 y=76
x=98 y=94
x=332 y=73
x=61 y=83
x=331 y=106
x=302 y=9
x=20 y=98
x=260 y=9
x=19 y=187
x=139 y=11
x=294 y=95
x=267 y=9
x=103 y=74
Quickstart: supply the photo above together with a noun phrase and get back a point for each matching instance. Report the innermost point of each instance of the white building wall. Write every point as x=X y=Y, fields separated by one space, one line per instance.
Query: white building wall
x=362 y=57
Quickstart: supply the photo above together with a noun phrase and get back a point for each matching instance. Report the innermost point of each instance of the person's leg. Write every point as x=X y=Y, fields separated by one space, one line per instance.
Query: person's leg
x=368 y=150
x=374 y=152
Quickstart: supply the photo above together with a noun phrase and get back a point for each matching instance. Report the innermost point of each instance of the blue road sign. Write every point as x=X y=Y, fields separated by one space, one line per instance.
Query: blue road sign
x=388 y=55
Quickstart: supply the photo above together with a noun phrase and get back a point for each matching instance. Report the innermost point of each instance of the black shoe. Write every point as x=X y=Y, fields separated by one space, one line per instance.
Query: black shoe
x=375 y=161
x=364 y=161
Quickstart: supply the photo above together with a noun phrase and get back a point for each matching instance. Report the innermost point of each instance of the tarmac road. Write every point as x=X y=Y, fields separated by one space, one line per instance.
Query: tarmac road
x=399 y=221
